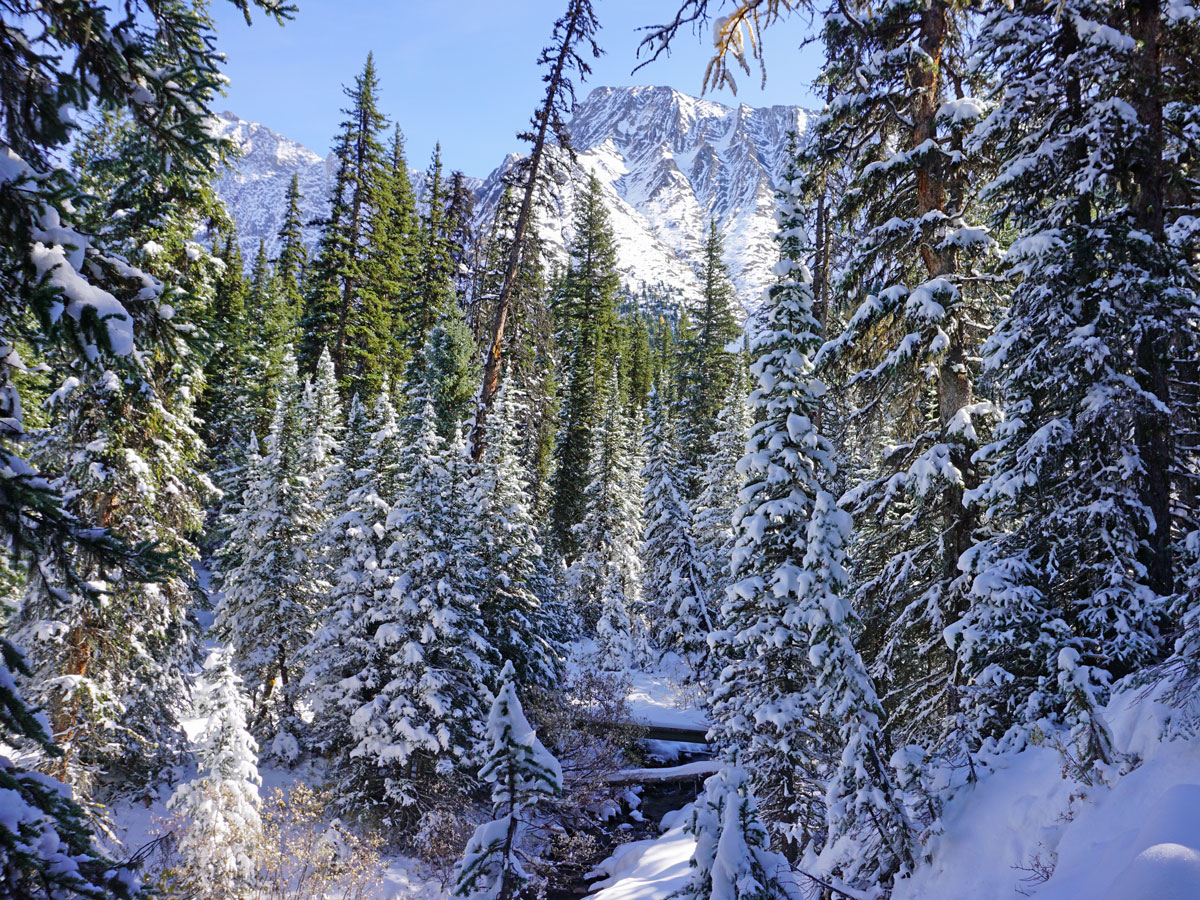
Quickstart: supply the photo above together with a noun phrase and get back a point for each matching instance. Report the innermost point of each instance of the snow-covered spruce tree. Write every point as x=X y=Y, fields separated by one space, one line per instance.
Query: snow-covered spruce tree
x=419 y=697
x=353 y=546
x=606 y=577
x=761 y=698
x=124 y=444
x=323 y=424
x=524 y=631
x=1071 y=589
x=339 y=479
x=733 y=858
x=267 y=608
x=676 y=579
x=869 y=837
x=79 y=303
x=111 y=673
x=522 y=773
x=218 y=809
x=794 y=684
x=46 y=847
x=915 y=306
x=321 y=461
x=720 y=484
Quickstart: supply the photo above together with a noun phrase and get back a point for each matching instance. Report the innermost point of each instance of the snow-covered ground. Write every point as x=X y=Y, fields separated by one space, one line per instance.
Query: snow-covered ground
x=1024 y=830
x=660 y=699
x=1137 y=838
x=648 y=870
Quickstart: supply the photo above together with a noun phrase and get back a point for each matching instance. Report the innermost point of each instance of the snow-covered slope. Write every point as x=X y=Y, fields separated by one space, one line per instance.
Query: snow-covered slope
x=669 y=163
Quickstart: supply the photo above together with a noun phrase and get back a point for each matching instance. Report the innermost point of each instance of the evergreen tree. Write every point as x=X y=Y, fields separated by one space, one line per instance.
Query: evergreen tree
x=793 y=663
x=720 y=483
x=336 y=315
x=587 y=317
x=761 y=702
x=292 y=263
x=449 y=369
x=911 y=289
x=435 y=288
x=733 y=858
x=531 y=353
x=46 y=848
x=352 y=546
x=707 y=365
x=520 y=628
x=460 y=234
x=219 y=808
x=522 y=773
x=112 y=673
x=869 y=838
x=323 y=418
x=267 y=605
x=224 y=418
x=245 y=372
x=676 y=579
x=418 y=705
x=606 y=577
x=392 y=266
x=1071 y=589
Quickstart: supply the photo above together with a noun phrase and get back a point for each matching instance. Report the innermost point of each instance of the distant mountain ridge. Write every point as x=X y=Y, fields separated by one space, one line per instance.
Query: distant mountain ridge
x=668 y=162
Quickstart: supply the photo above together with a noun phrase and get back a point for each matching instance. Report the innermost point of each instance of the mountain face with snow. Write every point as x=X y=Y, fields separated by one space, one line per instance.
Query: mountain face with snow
x=255 y=187
x=669 y=164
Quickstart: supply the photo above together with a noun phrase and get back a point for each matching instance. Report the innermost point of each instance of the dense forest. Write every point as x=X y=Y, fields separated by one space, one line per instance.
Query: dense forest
x=396 y=518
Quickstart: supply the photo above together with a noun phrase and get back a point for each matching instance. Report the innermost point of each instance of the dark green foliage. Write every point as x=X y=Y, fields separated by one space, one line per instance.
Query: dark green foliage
x=337 y=314
x=392 y=265
x=706 y=366
x=586 y=309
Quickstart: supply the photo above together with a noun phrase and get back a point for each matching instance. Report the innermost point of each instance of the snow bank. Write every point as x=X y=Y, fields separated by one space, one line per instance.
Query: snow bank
x=1026 y=829
x=647 y=870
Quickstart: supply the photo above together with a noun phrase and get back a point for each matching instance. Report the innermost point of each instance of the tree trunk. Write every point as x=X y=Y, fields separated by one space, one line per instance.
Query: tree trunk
x=1153 y=433
x=492 y=363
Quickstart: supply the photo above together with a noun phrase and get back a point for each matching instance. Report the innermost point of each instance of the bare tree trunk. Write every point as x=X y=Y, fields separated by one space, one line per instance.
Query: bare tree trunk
x=574 y=21
x=1153 y=432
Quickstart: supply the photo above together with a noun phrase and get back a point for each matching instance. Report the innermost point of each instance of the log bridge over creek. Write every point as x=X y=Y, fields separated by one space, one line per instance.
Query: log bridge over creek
x=664 y=789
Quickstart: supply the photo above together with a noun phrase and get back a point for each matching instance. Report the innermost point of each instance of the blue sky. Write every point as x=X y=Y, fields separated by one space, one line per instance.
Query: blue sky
x=461 y=71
